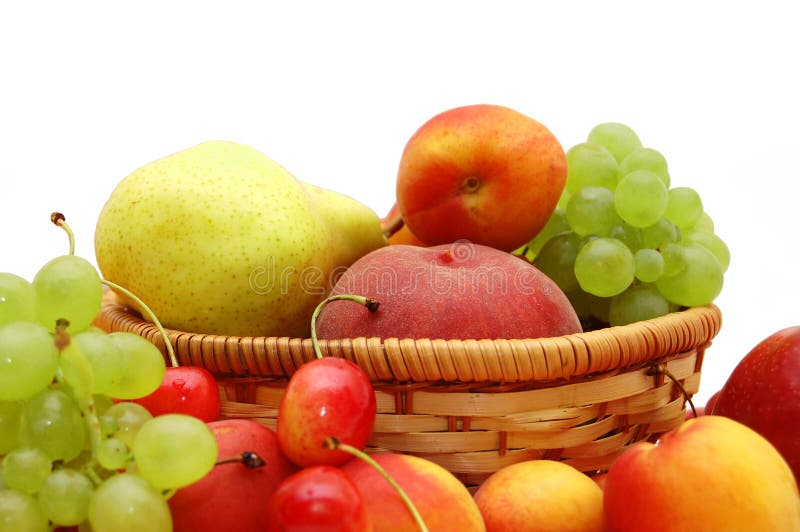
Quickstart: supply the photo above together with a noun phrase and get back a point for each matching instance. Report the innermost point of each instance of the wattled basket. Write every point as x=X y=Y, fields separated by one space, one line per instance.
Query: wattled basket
x=474 y=406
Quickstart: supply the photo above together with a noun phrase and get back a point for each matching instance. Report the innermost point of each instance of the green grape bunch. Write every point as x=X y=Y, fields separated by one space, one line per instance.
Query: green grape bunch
x=624 y=244
x=69 y=454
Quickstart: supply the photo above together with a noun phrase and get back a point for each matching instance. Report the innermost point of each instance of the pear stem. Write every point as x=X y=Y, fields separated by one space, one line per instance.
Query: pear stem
x=61 y=221
x=334 y=444
x=150 y=314
x=370 y=303
x=393 y=225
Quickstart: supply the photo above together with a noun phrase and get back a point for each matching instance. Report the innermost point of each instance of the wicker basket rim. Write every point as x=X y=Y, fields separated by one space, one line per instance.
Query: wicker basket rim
x=428 y=360
x=709 y=313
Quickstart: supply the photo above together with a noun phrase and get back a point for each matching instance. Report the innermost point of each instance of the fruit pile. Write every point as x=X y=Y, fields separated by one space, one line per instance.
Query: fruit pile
x=622 y=244
x=74 y=448
x=96 y=432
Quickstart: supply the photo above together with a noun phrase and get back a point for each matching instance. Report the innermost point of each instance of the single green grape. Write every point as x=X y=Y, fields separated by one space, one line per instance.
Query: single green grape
x=640 y=198
x=639 y=302
x=590 y=164
x=674 y=262
x=174 y=450
x=557 y=260
x=649 y=265
x=646 y=159
x=604 y=267
x=102 y=403
x=65 y=496
x=599 y=307
x=77 y=372
x=617 y=138
x=129 y=418
x=142 y=369
x=53 y=422
x=21 y=512
x=684 y=207
x=698 y=283
x=26 y=468
x=659 y=234
x=557 y=223
x=128 y=503
x=10 y=419
x=28 y=360
x=113 y=454
x=713 y=243
x=629 y=235
x=108 y=425
x=704 y=224
x=16 y=299
x=563 y=199
x=68 y=287
x=580 y=302
x=591 y=211
x=104 y=358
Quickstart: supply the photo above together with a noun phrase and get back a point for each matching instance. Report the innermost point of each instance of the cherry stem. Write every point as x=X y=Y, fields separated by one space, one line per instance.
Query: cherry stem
x=370 y=303
x=150 y=314
x=249 y=459
x=393 y=225
x=334 y=444
x=61 y=221
x=661 y=368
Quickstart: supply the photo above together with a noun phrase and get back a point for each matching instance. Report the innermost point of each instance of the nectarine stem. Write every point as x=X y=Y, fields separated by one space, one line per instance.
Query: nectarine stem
x=334 y=444
x=150 y=314
x=393 y=225
x=370 y=303
x=61 y=221
x=661 y=368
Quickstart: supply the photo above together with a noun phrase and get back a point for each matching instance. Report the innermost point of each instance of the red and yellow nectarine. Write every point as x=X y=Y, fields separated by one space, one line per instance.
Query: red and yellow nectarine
x=483 y=173
x=709 y=474
x=542 y=495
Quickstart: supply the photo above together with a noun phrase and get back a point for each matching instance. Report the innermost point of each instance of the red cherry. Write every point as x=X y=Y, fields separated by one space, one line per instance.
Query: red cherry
x=325 y=397
x=188 y=390
x=320 y=498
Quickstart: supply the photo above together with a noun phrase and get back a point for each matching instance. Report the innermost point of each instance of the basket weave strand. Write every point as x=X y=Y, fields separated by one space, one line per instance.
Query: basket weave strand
x=474 y=406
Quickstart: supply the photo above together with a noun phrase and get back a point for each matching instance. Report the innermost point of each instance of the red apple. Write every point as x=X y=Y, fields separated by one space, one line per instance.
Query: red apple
x=443 y=502
x=460 y=290
x=542 y=495
x=325 y=397
x=763 y=392
x=712 y=401
x=711 y=473
x=233 y=497
x=484 y=173
x=190 y=390
x=319 y=498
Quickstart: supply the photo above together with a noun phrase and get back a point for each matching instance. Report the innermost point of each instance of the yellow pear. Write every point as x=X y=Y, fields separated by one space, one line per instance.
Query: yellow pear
x=221 y=239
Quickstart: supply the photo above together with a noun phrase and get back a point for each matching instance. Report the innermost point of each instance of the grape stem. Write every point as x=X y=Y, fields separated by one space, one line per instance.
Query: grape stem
x=61 y=221
x=150 y=314
x=370 y=303
x=334 y=444
x=62 y=339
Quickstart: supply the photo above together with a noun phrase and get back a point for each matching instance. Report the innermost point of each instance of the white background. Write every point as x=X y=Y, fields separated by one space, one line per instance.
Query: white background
x=91 y=91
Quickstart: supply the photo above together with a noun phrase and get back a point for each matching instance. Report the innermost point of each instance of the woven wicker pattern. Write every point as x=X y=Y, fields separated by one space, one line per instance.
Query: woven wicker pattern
x=477 y=405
